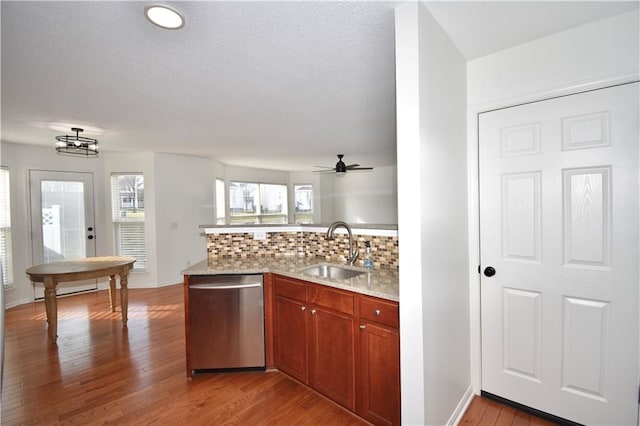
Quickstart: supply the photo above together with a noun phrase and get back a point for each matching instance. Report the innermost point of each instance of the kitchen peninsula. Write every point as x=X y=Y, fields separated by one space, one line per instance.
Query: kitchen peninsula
x=336 y=334
x=382 y=283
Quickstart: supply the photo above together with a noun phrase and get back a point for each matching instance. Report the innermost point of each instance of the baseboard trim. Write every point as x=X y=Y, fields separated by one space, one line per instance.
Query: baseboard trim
x=18 y=302
x=457 y=414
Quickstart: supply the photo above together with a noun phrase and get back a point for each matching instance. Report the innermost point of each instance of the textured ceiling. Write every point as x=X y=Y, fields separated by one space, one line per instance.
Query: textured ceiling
x=281 y=85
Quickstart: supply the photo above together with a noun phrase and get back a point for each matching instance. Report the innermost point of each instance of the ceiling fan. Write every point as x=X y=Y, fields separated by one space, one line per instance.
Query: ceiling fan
x=341 y=167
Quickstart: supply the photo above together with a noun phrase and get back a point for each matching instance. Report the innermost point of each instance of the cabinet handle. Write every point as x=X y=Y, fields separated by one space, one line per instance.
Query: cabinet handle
x=376 y=312
x=313 y=312
x=362 y=326
x=303 y=308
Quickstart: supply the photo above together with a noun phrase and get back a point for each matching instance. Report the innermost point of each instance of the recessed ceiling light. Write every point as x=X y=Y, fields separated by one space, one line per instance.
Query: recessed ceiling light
x=164 y=16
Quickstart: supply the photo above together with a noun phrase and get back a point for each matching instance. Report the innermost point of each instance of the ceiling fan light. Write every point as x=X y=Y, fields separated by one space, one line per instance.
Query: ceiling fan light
x=340 y=166
x=164 y=16
x=76 y=145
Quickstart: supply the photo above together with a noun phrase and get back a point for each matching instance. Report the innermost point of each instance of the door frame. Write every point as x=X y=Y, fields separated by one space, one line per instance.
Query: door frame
x=473 y=140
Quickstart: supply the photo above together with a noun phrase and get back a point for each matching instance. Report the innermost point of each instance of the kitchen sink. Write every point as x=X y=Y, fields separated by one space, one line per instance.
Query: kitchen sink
x=331 y=271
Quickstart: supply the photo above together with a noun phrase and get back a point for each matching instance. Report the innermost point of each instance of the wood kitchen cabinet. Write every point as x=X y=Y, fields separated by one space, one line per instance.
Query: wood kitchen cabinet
x=332 y=344
x=290 y=327
x=379 y=362
x=314 y=337
x=342 y=344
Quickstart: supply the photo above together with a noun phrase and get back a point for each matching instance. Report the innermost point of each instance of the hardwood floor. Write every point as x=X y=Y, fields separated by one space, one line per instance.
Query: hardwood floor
x=483 y=411
x=100 y=373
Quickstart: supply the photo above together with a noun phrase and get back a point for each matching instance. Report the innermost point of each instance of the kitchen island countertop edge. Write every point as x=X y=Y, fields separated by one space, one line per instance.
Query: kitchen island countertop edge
x=379 y=282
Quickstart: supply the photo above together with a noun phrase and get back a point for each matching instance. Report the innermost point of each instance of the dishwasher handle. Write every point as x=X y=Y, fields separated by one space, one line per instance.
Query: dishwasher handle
x=223 y=286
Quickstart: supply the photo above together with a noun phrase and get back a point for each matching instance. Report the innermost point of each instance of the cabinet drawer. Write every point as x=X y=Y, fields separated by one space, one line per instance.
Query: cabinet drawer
x=378 y=310
x=290 y=289
x=331 y=298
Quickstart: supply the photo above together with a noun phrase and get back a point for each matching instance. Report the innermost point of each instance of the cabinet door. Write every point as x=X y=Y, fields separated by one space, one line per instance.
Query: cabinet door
x=291 y=337
x=332 y=355
x=379 y=375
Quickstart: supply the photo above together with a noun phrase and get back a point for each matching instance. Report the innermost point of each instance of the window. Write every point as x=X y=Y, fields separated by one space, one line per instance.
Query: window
x=127 y=207
x=257 y=203
x=303 y=199
x=220 y=207
x=6 y=255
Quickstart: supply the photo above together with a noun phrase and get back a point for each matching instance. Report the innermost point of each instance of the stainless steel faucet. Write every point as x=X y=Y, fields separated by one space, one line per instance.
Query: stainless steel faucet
x=353 y=251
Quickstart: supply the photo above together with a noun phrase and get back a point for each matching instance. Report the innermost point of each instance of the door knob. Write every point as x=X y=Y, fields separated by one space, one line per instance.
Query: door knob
x=489 y=271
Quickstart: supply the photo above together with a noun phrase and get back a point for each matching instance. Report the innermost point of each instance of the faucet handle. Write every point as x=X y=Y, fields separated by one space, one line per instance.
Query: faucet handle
x=353 y=256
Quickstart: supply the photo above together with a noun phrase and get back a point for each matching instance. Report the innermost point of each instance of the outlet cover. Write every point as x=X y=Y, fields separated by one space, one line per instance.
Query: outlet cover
x=260 y=235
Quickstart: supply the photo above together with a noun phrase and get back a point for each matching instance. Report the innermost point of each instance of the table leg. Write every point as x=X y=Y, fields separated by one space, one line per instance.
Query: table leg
x=124 y=297
x=112 y=292
x=51 y=307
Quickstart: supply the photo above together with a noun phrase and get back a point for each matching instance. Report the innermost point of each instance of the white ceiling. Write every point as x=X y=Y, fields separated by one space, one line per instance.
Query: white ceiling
x=281 y=85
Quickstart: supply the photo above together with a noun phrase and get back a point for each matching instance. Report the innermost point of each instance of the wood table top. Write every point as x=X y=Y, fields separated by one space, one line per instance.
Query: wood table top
x=78 y=266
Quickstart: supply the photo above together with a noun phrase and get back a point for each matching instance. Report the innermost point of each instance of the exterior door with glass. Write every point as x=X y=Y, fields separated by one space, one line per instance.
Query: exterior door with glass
x=62 y=222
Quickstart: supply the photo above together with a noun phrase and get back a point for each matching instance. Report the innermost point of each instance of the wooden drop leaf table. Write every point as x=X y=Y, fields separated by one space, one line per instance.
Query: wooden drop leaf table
x=80 y=269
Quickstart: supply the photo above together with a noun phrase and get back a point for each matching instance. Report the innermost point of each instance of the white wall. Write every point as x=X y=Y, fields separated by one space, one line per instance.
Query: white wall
x=179 y=194
x=324 y=186
x=20 y=159
x=179 y=197
x=600 y=52
x=171 y=182
x=412 y=379
x=432 y=219
x=249 y=174
x=368 y=196
x=587 y=57
x=358 y=197
x=135 y=162
x=184 y=190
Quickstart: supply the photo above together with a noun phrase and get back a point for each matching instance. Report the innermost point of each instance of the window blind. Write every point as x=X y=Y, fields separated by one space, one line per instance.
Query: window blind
x=127 y=210
x=6 y=255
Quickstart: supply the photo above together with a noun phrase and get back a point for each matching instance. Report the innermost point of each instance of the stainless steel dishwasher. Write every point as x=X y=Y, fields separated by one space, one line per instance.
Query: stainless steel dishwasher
x=226 y=322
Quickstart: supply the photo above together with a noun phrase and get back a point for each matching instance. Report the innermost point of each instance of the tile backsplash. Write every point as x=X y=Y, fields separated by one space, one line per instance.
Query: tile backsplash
x=244 y=245
x=301 y=243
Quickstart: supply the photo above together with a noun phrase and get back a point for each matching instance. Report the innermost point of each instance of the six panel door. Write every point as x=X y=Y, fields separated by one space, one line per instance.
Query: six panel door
x=559 y=226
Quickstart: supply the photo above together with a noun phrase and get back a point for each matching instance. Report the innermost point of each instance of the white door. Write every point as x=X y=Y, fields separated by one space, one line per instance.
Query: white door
x=62 y=222
x=559 y=226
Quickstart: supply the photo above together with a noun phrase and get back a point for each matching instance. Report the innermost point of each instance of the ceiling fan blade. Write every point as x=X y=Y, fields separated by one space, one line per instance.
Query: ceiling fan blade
x=340 y=167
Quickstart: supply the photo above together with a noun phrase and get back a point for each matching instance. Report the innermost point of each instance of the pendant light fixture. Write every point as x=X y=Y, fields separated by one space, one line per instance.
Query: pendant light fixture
x=76 y=144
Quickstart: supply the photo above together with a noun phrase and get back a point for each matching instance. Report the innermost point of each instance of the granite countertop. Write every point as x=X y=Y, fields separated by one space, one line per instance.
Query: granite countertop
x=379 y=282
